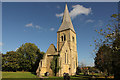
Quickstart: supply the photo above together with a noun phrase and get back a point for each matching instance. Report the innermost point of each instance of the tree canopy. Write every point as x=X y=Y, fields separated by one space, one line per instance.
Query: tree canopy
x=108 y=48
x=25 y=58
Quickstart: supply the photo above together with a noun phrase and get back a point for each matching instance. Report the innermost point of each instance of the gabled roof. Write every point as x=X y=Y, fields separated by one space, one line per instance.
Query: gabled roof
x=66 y=21
x=51 y=50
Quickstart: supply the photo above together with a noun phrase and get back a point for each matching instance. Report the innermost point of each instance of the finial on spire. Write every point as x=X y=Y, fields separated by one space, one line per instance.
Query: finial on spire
x=66 y=3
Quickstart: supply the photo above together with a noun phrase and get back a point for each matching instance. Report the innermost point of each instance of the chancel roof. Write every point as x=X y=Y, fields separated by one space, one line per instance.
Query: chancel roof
x=51 y=50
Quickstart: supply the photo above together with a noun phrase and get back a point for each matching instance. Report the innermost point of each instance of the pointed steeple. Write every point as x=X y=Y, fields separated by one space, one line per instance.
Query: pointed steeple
x=66 y=21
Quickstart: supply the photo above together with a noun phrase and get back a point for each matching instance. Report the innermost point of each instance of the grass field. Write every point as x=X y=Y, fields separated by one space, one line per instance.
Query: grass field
x=31 y=76
x=26 y=75
x=18 y=75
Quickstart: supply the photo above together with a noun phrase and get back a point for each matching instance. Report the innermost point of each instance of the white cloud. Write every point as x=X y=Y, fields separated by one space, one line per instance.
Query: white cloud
x=1 y=44
x=59 y=15
x=89 y=21
x=33 y=26
x=52 y=29
x=29 y=25
x=38 y=27
x=77 y=10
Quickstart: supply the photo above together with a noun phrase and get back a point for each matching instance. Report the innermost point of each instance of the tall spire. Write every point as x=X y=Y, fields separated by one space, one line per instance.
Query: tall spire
x=66 y=21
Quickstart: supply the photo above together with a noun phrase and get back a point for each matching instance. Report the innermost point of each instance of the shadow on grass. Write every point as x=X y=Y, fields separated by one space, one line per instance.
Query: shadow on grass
x=34 y=73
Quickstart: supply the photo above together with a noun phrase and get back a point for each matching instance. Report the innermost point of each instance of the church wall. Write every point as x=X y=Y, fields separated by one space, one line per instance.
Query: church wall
x=65 y=64
x=45 y=66
x=73 y=43
x=65 y=68
x=49 y=59
x=73 y=62
x=72 y=48
x=42 y=65
x=43 y=71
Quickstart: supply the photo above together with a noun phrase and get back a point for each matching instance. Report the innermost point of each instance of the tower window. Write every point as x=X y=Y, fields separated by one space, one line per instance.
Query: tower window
x=65 y=58
x=62 y=38
x=41 y=63
x=72 y=38
x=74 y=64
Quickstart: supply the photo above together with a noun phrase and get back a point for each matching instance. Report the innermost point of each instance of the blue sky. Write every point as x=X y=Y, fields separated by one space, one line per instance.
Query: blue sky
x=38 y=22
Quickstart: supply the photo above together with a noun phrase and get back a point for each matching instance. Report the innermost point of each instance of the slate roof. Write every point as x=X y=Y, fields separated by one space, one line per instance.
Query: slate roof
x=51 y=50
x=66 y=21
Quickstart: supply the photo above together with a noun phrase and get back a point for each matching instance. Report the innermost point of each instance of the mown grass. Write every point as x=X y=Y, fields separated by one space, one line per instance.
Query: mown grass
x=18 y=75
x=32 y=76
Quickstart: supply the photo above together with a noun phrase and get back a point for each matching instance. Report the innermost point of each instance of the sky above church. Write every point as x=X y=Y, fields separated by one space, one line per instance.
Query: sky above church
x=38 y=22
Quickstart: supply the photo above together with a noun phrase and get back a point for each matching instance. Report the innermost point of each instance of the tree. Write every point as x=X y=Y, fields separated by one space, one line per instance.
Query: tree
x=29 y=56
x=10 y=61
x=111 y=38
x=39 y=57
x=116 y=58
x=25 y=58
x=55 y=65
x=103 y=59
x=78 y=70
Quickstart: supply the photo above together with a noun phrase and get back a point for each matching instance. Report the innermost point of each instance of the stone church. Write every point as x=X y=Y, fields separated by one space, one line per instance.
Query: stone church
x=66 y=50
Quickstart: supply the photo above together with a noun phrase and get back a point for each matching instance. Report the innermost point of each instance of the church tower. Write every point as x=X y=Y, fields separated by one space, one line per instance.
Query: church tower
x=66 y=32
x=66 y=50
x=66 y=36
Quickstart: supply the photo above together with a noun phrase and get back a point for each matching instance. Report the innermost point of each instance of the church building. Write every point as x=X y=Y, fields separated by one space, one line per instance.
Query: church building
x=66 y=50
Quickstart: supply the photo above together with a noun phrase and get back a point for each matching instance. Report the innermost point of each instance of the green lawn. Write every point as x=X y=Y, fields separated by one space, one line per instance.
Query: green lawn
x=18 y=75
x=31 y=76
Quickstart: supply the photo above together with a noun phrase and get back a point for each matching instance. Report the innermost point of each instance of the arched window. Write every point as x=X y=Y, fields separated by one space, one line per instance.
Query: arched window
x=74 y=64
x=41 y=63
x=65 y=58
x=72 y=38
x=64 y=37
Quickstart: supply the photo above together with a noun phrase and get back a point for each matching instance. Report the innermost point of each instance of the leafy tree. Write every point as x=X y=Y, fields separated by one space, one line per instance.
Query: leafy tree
x=25 y=58
x=103 y=59
x=55 y=65
x=110 y=37
x=116 y=58
x=78 y=70
x=39 y=57
x=10 y=61
x=29 y=56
